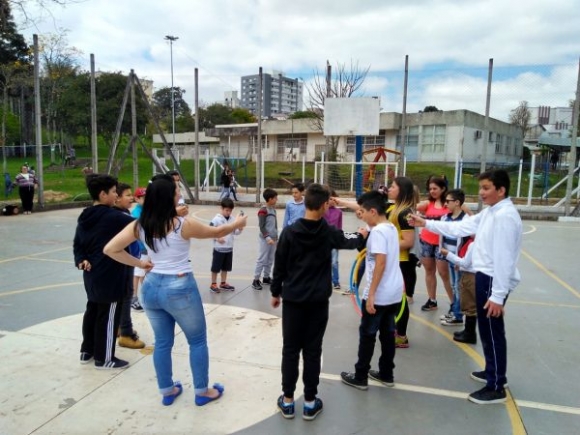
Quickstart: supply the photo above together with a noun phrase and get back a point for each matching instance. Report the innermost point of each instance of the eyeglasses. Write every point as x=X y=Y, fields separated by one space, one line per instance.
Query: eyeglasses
x=450 y=200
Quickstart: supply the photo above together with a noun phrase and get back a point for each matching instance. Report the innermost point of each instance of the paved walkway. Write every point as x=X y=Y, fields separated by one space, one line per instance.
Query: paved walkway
x=44 y=390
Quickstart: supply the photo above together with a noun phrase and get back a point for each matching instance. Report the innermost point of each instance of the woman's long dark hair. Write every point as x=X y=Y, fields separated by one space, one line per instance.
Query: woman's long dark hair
x=158 y=210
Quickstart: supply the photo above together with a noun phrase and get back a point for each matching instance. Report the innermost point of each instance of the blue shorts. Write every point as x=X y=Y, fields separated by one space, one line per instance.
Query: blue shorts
x=430 y=251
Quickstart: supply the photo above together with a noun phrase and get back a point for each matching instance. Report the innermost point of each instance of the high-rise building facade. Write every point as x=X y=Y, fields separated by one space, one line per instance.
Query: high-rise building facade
x=281 y=96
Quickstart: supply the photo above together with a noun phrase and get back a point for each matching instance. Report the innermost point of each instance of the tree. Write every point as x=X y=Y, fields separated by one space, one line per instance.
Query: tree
x=303 y=114
x=242 y=116
x=216 y=114
x=428 y=109
x=346 y=82
x=520 y=117
x=60 y=65
x=23 y=6
x=14 y=63
x=162 y=109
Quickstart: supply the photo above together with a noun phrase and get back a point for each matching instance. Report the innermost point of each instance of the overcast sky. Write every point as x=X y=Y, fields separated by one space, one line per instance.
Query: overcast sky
x=534 y=44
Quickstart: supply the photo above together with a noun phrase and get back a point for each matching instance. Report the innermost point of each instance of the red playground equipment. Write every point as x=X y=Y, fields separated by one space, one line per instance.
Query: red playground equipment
x=373 y=178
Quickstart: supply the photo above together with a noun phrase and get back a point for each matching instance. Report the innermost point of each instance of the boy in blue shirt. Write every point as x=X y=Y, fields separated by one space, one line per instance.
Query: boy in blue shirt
x=295 y=208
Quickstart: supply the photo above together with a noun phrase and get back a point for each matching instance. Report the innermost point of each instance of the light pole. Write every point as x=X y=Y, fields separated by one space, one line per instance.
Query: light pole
x=171 y=40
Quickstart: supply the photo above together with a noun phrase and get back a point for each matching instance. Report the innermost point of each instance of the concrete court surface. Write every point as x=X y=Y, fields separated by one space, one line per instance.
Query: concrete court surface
x=44 y=389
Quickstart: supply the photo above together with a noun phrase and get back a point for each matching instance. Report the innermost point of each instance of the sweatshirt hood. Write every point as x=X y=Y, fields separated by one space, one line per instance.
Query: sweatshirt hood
x=306 y=230
x=91 y=215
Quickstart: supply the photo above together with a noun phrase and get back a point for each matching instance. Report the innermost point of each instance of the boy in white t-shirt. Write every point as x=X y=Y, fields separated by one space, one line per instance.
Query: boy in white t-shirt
x=382 y=295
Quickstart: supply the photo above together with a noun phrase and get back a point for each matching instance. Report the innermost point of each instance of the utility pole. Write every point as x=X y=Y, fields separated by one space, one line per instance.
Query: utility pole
x=196 y=119
x=404 y=119
x=94 y=145
x=37 y=115
x=259 y=167
x=573 y=150
x=171 y=40
x=486 y=126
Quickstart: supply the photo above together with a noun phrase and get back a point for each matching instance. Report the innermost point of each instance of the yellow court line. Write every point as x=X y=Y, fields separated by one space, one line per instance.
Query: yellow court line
x=6 y=260
x=514 y=415
x=48 y=259
x=36 y=289
x=551 y=274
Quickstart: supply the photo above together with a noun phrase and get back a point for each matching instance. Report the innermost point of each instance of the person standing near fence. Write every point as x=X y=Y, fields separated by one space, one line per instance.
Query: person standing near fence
x=26 y=182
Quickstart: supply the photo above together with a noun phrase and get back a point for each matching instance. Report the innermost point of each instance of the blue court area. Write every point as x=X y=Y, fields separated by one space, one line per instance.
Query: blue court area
x=44 y=389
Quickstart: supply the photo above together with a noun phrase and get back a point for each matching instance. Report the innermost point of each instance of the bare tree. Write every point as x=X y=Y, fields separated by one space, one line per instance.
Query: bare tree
x=344 y=82
x=520 y=117
x=23 y=6
x=59 y=64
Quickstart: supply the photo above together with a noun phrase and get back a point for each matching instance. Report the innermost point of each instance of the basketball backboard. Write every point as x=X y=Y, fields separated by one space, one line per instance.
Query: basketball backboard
x=351 y=116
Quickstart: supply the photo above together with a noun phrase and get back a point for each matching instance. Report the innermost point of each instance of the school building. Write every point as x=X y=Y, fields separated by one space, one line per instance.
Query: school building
x=430 y=137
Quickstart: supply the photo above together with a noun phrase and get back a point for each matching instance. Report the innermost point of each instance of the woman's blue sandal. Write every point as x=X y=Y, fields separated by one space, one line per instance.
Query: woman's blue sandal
x=170 y=398
x=204 y=400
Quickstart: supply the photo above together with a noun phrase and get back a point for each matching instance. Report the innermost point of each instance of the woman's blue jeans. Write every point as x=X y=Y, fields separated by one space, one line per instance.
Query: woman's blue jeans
x=335 y=278
x=171 y=299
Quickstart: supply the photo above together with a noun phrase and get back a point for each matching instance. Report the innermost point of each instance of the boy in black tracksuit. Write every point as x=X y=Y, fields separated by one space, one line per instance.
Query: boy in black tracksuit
x=105 y=279
x=303 y=278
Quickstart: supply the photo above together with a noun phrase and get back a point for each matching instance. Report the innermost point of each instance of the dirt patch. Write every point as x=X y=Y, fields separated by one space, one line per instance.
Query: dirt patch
x=55 y=196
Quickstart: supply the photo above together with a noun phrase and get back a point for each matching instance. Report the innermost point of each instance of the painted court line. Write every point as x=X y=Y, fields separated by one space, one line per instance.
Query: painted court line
x=461 y=395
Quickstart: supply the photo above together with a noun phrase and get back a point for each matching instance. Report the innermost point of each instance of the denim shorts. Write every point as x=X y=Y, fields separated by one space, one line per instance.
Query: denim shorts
x=430 y=251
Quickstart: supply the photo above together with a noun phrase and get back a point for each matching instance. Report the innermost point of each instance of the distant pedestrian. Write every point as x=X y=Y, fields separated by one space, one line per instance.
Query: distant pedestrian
x=26 y=182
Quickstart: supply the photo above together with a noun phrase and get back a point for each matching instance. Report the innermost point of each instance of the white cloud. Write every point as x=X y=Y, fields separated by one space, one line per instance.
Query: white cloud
x=226 y=39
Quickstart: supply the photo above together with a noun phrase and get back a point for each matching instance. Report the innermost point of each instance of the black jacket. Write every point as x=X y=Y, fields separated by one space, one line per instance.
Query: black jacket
x=302 y=267
x=97 y=225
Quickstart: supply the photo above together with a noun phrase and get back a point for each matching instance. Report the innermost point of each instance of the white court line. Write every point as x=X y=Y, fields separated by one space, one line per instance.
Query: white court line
x=459 y=395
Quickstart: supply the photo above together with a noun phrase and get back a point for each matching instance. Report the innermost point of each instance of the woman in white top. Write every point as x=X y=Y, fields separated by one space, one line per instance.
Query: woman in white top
x=169 y=293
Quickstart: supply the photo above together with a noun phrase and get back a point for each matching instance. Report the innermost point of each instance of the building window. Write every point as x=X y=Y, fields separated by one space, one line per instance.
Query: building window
x=411 y=138
x=296 y=142
x=433 y=139
x=369 y=142
x=253 y=140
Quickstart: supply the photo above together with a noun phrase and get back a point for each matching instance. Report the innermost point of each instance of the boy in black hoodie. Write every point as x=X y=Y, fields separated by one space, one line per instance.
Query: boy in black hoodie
x=303 y=278
x=105 y=279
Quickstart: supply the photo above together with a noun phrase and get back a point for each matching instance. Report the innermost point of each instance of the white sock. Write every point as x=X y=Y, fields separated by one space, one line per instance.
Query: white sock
x=309 y=404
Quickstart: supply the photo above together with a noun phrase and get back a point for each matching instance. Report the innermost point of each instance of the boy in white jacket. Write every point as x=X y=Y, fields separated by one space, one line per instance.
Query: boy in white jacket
x=223 y=249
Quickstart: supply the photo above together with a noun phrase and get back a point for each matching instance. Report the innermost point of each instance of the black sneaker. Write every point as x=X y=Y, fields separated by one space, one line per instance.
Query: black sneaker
x=287 y=410
x=452 y=322
x=375 y=375
x=137 y=306
x=86 y=357
x=350 y=379
x=487 y=396
x=115 y=363
x=480 y=377
x=257 y=285
x=464 y=337
x=429 y=305
x=310 y=414
x=267 y=281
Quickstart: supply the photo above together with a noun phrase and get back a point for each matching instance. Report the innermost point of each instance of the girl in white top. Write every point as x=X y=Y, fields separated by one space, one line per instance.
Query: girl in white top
x=169 y=293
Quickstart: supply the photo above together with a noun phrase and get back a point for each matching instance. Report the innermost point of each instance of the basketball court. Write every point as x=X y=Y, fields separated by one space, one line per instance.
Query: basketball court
x=46 y=391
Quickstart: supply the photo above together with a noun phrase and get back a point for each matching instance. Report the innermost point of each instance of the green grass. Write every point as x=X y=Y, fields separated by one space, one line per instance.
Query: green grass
x=70 y=180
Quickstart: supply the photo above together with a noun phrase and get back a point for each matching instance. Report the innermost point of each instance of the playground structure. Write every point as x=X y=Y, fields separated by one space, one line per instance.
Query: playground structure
x=372 y=180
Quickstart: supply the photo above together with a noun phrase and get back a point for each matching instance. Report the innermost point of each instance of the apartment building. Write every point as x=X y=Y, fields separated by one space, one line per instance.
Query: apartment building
x=281 y=96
